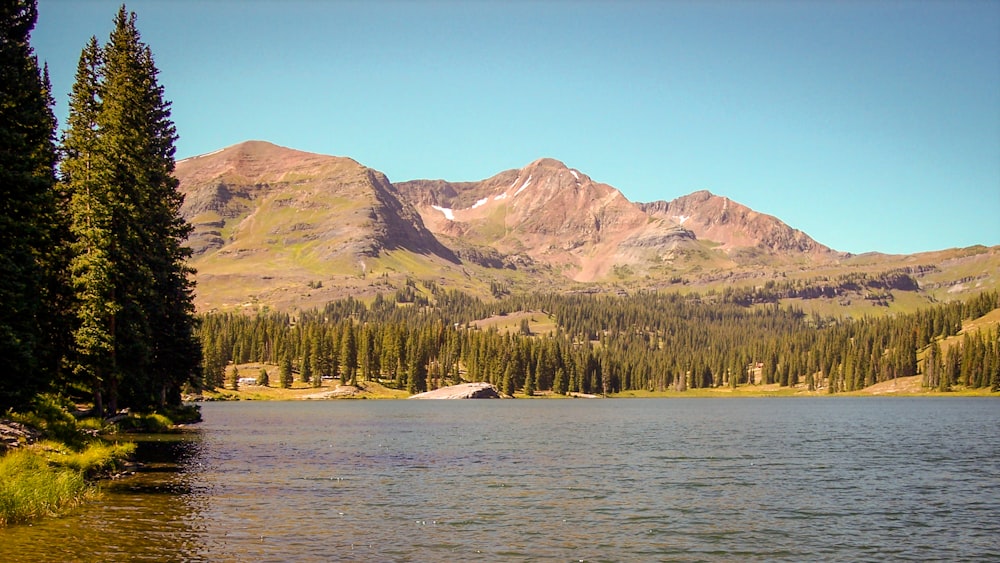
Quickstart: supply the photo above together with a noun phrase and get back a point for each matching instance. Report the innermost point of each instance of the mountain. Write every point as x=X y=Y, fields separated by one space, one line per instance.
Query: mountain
x=545 y=213
x=289 y=229
x=735 y=226
x=552 y=214
x=268 y=220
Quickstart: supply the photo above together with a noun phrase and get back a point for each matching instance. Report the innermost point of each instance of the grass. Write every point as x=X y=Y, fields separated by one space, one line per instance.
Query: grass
x=539 y=323
x=92 y=460
x=719 y=392
x=31 y=488
x=57 y=473
x=51 y=477
x=901 y=387
x=298 y=390
x=152 y=423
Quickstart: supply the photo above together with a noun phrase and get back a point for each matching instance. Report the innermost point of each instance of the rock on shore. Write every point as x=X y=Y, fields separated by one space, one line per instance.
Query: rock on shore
x=479 y=390
x=14 y=435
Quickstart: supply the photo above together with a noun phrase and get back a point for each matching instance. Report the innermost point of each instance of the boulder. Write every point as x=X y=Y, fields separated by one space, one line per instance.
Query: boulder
x=14 y=434
x=479 y=390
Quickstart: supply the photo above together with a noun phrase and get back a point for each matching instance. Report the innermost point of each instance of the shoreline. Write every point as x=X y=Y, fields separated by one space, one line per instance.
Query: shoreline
x=371 y=390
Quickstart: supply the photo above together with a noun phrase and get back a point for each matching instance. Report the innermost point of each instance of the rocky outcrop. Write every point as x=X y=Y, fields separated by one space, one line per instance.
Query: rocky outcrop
x=733 y=225
x=666 y=238
x=479 y=390
x=14 y=435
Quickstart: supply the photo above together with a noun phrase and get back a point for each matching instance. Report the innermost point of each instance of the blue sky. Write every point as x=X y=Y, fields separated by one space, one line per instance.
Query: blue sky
x=869 y=125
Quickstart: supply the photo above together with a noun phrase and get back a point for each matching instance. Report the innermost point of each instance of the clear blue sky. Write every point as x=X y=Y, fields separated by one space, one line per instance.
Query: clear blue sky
x=869 y=125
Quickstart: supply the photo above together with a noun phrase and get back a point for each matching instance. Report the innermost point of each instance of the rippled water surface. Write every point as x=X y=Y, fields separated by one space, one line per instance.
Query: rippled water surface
x=673 y=479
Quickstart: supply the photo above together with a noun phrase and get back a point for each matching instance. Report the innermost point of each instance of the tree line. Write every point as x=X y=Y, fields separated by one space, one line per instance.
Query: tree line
x=420 y=340
x=96 y=300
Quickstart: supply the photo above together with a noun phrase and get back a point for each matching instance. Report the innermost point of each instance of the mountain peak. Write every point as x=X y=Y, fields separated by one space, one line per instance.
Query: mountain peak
x=733 y=225
x=701 y=195
x=548 y=163
x=251 y=147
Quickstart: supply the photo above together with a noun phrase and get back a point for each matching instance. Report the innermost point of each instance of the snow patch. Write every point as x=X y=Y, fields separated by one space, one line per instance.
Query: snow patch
x=681 y=218
x=525 y=185
x=200 y=155
x=499 y=197
x=448 y=213
x=575 y=175
x=480 y=202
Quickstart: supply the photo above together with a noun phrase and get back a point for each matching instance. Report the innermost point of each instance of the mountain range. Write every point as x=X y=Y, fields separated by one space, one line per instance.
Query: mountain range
x=287 y=229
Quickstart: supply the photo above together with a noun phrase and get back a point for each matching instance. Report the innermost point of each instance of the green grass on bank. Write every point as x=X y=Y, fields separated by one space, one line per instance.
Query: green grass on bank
x=49 y=477
x=31 y=488
x=58 y=472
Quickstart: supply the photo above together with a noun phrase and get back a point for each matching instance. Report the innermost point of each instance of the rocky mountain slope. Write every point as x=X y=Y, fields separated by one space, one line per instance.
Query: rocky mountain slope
x=266 y=217
x=735 y=226
x=544 y=212
x=285 y=228
x=549 y=213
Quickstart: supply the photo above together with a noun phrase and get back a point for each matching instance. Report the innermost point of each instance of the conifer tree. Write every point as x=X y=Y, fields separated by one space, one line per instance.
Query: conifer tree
x=135 y=337
x=417 y=357
x=529 y=383
x=29 y=220
x=933 y=366
x=285 y=378
x=320 y=358
x=559 y=383
x=348 y=356
x=91 y=218
x=307 y=365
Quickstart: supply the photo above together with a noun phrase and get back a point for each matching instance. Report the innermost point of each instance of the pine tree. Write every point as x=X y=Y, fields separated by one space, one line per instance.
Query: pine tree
x=135 y=336
x=933 y=366
x=306 y=374
x=559 y=383
x=262 y=378
x=30 y=319
x=994 y=372
x=529 y=383
x=286 y=372
x=320 y=358
x=91 y=225
x=417 y=358
x=135 y=122
x=348 y=356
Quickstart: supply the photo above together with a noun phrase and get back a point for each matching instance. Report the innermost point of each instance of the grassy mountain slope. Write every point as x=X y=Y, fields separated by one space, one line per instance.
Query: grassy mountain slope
x=289 y=229
x=274 y=225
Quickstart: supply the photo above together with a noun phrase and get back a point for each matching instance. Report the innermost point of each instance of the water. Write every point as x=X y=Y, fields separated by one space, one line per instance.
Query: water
x=789 y=479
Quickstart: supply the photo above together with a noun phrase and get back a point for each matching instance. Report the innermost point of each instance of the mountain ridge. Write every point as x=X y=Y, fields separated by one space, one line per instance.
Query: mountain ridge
x=279 y=226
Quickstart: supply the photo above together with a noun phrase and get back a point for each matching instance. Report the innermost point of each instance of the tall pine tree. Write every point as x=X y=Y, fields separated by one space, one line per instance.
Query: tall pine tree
x=29 y=219
x=90 y=209
x=135 y=341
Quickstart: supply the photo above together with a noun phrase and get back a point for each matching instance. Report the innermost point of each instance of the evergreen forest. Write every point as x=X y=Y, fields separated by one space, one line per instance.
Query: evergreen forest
x=96 y=299
x=420 y=339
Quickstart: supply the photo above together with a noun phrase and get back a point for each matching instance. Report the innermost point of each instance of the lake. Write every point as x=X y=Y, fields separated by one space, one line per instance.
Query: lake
x=767 y=479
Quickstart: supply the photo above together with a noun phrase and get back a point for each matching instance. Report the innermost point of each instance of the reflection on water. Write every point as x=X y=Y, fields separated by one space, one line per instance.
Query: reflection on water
x=757 y=479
